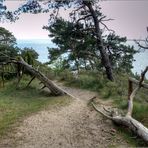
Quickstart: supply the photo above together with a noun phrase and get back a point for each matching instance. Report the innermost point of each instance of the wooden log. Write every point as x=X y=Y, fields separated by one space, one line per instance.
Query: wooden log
x=144 y=85
x=30 y=81
x=55 y=90
x=138 y=128
x=127 y=120
x=43 y=87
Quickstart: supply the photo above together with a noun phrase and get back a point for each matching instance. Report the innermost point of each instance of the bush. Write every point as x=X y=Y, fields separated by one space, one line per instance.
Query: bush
x=65 y=75
x=140 y=112
x=116 y=91
x=86 y=81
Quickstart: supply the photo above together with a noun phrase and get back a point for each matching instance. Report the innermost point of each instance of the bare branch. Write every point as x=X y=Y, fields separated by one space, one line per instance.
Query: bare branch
x=141 y=46
x=103 y=19
x=108 y=20
x=30 y=81
x=83 y=18
x=131 y=97
x=94 y=106
x=78 y=9
x=133 y=80
x=107 y=27
x=142 y=76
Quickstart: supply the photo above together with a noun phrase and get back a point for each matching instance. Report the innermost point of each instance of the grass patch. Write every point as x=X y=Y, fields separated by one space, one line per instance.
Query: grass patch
x=116 y=91
x=18 y=103
x=130 y=137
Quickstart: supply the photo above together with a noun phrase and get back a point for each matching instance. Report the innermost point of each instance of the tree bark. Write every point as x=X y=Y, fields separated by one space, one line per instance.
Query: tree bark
x=133 y=80
x=129 y=122
x=104 y=56
x=55 y=90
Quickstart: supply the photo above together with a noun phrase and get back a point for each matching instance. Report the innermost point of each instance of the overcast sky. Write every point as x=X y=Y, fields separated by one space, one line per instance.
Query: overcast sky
x=131 y=19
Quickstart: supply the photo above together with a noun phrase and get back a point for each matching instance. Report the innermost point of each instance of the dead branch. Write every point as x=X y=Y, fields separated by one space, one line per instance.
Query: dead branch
x=107 y=27
x=131 y=97
x=30 y=81
x=54 y=89
x=133 y=80
x=141 y=46
x=130 y=102
x=101 y=112
x=43 y=87
x=83 y=18
x=127 y=120
x=19 y=76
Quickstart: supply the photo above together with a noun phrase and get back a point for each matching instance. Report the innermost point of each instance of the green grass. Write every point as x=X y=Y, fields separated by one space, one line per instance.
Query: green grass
x=18 y=103
x=130 y=137
x=116 y=91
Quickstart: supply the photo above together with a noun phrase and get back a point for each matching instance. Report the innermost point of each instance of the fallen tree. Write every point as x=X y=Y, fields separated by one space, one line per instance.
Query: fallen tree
x=35 y=73
x=55 y=90
x=127 y=120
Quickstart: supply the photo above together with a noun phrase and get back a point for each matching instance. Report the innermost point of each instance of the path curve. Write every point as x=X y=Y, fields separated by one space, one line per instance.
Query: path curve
x=72 y=126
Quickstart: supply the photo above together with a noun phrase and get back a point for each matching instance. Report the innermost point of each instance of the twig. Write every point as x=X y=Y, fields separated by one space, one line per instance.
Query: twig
x=30 y=81
x=94 y=106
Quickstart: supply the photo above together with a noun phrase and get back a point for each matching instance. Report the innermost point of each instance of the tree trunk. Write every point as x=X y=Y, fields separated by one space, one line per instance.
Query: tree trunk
x=55 y=90
x=104 y=56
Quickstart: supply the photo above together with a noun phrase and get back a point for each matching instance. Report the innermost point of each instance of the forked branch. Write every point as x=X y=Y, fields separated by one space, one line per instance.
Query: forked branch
x=127 y=120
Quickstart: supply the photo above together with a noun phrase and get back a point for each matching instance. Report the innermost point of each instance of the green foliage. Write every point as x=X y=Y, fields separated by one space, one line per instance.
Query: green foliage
x=116 y=91
x=7 y=42
x=121 y=54
x=71 y=42
x=85 y=80
x=7 y=52
x=6 y=37
x=65 y=75
x=79 y=48
x=140 y=112
x=29 y=55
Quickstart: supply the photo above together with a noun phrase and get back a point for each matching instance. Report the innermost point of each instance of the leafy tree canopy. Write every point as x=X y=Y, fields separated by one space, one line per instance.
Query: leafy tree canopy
x=86 y=16
x=81 y=50
x=7 y=42
x=6 y=37
x=29 y=55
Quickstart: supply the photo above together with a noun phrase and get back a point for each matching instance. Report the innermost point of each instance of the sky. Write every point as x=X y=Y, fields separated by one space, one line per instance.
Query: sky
x=130 y=19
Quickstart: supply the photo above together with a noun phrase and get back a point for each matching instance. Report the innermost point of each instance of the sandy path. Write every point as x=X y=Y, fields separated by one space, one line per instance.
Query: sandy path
x=73 y=126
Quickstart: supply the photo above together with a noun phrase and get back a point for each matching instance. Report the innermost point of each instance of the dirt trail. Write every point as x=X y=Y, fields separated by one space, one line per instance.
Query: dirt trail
x=73 y=126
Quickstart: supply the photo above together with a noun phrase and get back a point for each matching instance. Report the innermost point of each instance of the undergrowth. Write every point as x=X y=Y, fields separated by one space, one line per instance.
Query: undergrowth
x=116 y=91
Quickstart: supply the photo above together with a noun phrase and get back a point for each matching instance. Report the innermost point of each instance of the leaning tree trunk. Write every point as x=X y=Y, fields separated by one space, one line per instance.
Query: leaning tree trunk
x=55 y=90
x=104 y=56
